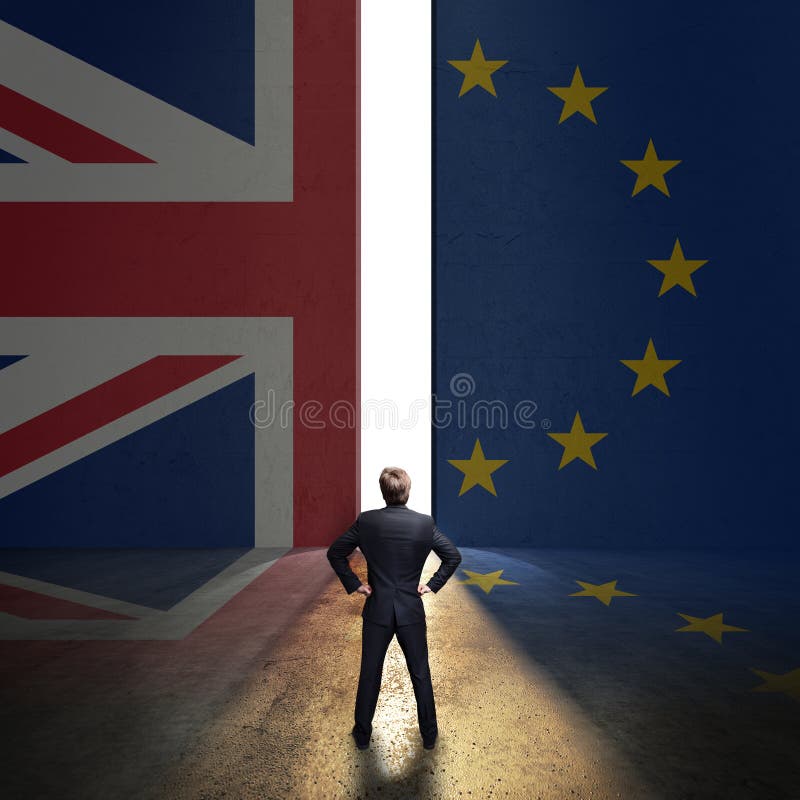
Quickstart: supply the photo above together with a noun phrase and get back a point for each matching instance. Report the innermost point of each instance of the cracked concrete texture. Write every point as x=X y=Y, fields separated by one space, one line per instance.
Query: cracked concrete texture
x=506 y=730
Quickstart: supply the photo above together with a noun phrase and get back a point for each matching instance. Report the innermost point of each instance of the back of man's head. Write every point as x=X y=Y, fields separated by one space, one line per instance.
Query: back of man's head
x=395 y=486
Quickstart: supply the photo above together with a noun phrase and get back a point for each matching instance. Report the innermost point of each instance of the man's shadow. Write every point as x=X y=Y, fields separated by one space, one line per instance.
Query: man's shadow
x=415 y=776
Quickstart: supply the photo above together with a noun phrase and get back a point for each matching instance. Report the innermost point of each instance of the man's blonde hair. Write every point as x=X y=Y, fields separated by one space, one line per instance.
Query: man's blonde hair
x=395 y=486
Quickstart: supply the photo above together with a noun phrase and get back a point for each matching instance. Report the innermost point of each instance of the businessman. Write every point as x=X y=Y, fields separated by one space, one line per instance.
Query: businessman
x=395 y=542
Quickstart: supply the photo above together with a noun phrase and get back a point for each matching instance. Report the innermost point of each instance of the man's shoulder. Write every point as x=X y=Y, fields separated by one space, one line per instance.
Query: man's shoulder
x=377 y=515
x=426 y=518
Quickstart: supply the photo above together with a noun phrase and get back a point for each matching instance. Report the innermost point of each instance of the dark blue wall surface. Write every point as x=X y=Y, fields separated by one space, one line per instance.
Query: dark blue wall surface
x=542 y=283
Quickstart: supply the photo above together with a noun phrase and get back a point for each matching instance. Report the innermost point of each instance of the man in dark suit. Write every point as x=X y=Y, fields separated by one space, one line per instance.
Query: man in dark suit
x=395 y=542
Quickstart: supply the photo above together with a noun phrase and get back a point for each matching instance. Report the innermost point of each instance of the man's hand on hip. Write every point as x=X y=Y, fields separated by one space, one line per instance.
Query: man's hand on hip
x=423 y=588
x=365 y=588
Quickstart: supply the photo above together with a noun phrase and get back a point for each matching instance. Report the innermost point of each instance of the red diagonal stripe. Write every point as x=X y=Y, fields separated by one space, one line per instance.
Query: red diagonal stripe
x=59 y=134
x=103 y=404
x=32 y=605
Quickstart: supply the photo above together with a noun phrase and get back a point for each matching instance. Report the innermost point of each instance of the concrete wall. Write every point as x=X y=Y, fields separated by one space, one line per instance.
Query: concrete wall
x=545 y=281
x=179 y=218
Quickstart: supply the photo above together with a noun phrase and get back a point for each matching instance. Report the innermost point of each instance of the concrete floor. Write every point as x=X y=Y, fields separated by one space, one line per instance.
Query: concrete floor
x=539 y=694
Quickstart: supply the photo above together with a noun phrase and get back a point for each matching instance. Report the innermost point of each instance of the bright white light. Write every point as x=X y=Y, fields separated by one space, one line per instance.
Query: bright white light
x=396 y=245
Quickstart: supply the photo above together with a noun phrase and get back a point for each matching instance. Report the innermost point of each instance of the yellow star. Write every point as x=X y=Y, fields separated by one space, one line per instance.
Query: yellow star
x=677 y=270
x=477 y=470
x=487 y=581
x=712 y=626
x=788 y=683
x=577 y=443
x=650 y=171
x=650 y=370
x=477 y=71
x=604 y=592
x=577 y=97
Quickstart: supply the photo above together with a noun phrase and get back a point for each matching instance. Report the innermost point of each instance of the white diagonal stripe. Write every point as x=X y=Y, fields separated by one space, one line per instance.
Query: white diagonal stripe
x=104 y=103
x=78 y=596
x=195 y=160
x=130 y=423
x=46 y=379
x=177 y=623
x=24 y=149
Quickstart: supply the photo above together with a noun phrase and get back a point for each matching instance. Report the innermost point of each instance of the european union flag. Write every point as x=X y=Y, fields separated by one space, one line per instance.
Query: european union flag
x=615 y=281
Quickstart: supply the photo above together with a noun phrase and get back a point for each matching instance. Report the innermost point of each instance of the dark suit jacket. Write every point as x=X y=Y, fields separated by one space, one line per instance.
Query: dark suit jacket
x=395 y=542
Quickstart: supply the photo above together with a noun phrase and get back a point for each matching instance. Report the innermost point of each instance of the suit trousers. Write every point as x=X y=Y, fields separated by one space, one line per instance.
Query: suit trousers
x=375 y=640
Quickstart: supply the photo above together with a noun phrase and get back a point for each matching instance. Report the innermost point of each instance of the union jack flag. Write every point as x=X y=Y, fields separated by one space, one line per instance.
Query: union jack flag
x=179 y=214
x=98 y=103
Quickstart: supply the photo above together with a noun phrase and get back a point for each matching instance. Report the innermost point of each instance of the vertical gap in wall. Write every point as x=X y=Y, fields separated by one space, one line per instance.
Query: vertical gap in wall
x=357 y=212
x=396 y=247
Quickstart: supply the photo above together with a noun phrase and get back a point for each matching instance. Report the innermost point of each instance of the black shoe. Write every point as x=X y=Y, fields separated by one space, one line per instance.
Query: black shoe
x=429 y=744
x=359 y=744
